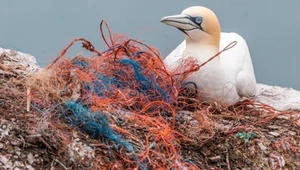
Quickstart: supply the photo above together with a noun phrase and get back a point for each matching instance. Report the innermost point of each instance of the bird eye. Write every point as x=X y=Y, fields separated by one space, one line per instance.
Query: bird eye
x=198 y=20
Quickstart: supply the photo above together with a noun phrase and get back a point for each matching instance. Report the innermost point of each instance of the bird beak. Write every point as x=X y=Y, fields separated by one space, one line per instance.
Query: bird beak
x=182 y=22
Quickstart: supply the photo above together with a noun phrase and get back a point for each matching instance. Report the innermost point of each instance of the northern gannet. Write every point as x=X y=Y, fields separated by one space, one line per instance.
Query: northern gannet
x=225 y=79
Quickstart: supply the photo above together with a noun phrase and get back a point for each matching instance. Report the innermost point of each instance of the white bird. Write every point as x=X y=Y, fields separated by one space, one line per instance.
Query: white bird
x=225 y=79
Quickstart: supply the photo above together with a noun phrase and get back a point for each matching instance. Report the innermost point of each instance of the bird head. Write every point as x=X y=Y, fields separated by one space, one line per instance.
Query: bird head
x=199 y=24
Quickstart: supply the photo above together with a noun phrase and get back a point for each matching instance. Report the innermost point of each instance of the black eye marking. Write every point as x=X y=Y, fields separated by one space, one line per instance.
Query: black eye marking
x=197 y=20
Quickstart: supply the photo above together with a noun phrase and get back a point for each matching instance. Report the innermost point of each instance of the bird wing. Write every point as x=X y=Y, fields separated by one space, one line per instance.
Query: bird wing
x=238 y=61
x=172 y=60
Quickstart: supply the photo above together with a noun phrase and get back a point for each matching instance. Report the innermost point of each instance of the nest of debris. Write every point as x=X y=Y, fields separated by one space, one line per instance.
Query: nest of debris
x=122 y=109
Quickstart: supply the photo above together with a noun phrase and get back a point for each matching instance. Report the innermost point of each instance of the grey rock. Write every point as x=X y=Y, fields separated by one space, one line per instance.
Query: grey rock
x=273 y=133
x=17 y=62
x=280 y=98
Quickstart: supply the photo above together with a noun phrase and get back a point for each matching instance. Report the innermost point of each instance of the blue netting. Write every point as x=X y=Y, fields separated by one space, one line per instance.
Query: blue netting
x=94 y=124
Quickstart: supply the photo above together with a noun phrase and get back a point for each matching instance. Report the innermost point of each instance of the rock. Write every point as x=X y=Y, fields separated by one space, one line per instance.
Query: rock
x=280 y=98
x=29 y=167
x=4 y=129
x=275 y=134
x=262 y=146
x=18 y=164
x=79 y=151
x=1 y=145
x=18 y=153
x=30 y=158
x=292 y=133
x=16 y=63
x=273 y=127
x=5 y=161
x=215 y=158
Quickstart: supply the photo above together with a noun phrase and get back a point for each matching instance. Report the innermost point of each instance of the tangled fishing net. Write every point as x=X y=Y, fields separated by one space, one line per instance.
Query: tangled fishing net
x=133 y=112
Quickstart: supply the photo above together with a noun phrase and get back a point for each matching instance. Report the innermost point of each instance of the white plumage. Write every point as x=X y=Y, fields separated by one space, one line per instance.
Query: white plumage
x=228 y=77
